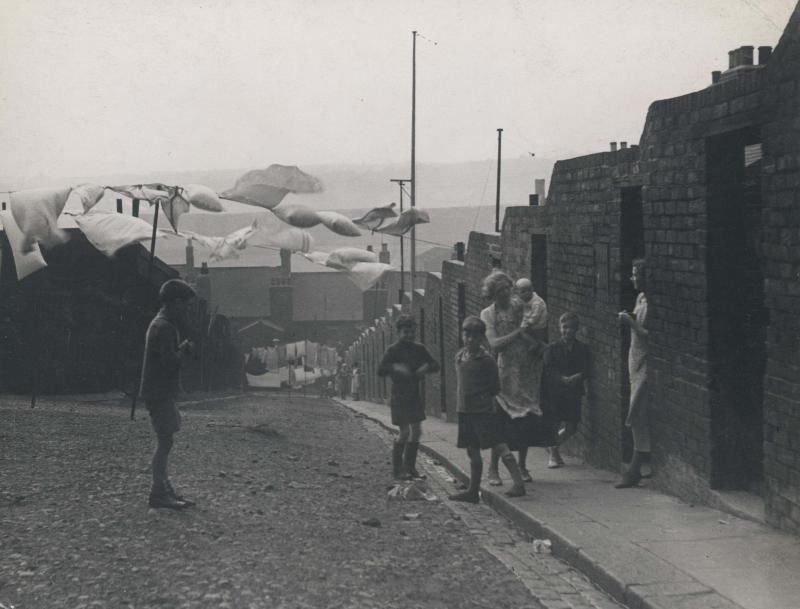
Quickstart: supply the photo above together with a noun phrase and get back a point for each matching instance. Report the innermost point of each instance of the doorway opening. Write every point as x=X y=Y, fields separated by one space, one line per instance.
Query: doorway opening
x=539 y=273
x=737 y=318
x=631 y=247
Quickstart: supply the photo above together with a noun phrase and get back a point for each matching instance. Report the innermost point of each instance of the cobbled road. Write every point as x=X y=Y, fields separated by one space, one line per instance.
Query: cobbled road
x=292 y=512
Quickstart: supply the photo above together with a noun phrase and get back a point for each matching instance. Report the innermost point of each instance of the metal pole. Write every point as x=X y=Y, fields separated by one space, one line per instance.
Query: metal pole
x=401 y=182
x=497 y=202
x=413 y=158
x=149 y=275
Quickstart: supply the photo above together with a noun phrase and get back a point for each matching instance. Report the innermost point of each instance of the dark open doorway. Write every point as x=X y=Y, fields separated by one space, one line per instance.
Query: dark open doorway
x=737 y=318
x=539 y=273
x=631 y=247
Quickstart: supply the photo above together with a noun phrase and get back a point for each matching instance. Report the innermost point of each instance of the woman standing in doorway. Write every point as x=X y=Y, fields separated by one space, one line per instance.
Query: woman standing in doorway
x=637 y=418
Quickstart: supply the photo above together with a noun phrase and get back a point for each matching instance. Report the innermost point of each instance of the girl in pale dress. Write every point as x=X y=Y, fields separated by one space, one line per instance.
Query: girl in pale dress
x=637 y=418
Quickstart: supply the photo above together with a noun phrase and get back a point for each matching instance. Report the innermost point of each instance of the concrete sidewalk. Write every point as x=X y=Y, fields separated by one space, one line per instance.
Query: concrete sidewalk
x=646 y=549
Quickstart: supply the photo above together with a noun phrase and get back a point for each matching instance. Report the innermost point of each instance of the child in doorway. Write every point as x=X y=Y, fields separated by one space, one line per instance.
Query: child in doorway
x=479 y=426
x=406 y=362
x=163 y=354
x=567 y=369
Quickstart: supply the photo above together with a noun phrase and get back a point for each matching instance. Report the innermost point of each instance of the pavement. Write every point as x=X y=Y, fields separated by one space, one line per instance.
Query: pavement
x=646 y=549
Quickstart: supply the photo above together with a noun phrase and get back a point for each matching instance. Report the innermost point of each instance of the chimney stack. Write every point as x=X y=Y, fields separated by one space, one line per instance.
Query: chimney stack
x=119 y=206
x=533 y=200
x=384 y=255
x=764 y=53
x=539 y=188
x=459 y=251
x=716 y=75
x=745 y=56
x=189 y=257
x=732 y=59
x=135 y=209
x=613 y=146
x=623 y=145
x=286 y=262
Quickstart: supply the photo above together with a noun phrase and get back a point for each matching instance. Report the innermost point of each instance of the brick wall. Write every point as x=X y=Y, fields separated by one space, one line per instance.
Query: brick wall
x=780 y=126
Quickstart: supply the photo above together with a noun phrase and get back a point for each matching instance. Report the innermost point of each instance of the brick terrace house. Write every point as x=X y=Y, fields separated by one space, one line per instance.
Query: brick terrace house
x=77 y=325
x=711 y=197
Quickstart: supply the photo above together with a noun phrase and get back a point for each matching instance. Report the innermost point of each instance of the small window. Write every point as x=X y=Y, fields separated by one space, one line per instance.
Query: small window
x=753 y=154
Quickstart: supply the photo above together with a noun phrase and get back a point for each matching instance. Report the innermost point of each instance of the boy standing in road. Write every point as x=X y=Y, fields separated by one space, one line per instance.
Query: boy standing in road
x=406 y=362
x=163 y=355
x=479 y=425
x=567 y=367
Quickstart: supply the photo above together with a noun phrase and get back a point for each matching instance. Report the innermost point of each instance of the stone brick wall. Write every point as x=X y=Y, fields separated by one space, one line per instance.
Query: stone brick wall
x=780 y=254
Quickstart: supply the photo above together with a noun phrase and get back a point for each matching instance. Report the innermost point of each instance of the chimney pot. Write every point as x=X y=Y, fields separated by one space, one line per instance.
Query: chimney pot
x=460 y=251
x=613 y=146
x=533 y=200
x=384 y=255
x=204 y=268
x=746 y=56
x=764 y=53
x=716 y=75
x=135 y=209
x=119 y=206
x=732 y=55
x=623 y=145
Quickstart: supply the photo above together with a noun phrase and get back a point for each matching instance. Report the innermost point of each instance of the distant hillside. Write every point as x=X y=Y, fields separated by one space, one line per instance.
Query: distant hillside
x=358 y=186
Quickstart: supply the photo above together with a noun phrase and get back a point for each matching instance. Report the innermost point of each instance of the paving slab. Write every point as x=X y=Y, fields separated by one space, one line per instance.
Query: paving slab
x=647 y=549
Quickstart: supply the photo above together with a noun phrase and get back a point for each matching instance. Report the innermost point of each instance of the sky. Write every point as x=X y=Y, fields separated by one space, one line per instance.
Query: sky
x=98 y=87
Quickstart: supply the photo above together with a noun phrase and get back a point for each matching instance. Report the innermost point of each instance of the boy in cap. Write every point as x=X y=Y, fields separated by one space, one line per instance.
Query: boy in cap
x=479 y=425
x=163 y=354
x=567 y=368
x=406 y=362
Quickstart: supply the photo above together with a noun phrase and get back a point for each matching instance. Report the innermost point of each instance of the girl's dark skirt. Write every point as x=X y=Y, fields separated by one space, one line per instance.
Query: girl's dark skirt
x=530 y=430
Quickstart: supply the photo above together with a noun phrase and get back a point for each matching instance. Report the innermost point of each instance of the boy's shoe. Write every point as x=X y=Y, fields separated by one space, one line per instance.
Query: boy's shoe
x=493 y=477
x=555 y=458
x=467 y=496
x=410 y=461
x=516 y=491
x=165 y=501
x=526 y=475
x=629 y=480
x=179 y=498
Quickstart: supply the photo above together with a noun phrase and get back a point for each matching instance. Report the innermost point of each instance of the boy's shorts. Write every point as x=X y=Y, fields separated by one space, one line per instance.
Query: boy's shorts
x=568 y=411
x=479 y=430
x=406 y=415
x=164 y=416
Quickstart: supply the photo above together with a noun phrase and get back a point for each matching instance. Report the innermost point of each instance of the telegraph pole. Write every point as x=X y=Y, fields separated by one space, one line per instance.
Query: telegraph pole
x=497 y=202
x=401 y=183
x=413 y=157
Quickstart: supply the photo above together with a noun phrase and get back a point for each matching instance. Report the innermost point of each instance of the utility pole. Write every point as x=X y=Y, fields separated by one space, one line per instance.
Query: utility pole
x=497 y=202
x=401 y=182
x=413 y=157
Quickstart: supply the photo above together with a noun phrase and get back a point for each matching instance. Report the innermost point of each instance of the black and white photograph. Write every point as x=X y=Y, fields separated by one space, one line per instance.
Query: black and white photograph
x=400 y=304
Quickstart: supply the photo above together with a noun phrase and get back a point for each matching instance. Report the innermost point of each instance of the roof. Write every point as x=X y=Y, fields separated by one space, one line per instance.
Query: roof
x=241 y=291
x=326 y=296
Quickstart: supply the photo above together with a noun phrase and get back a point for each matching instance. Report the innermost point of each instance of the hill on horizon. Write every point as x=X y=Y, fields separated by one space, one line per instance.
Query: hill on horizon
x=350 y=186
